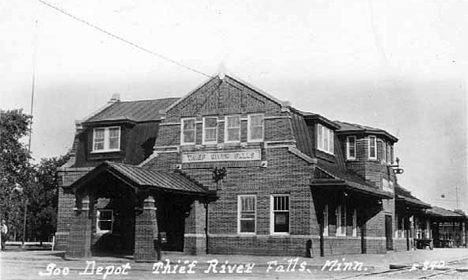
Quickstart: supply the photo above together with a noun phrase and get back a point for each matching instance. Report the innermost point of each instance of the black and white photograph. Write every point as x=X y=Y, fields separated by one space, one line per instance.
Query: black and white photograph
x=252 y=139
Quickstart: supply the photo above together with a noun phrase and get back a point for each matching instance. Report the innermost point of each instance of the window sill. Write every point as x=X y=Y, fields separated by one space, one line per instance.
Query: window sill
x=106 y=151
x=280 y=234
x=246 y=234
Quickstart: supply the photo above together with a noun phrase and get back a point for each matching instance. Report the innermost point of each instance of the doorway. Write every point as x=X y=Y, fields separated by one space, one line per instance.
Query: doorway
x=389 y=231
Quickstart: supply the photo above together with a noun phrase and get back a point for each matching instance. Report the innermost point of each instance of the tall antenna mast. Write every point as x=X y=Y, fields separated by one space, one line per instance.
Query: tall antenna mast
x=33 y=85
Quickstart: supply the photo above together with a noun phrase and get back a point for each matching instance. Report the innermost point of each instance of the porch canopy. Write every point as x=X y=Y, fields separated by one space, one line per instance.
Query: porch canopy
x=141 y=179
x=404 y=198
x=333 y=178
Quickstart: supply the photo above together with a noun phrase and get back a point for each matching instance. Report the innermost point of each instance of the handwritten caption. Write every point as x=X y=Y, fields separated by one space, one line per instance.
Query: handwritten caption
x=213 y=266
x=434 y=265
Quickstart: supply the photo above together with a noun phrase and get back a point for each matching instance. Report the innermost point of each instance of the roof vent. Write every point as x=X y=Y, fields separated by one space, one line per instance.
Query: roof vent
x=115 y=98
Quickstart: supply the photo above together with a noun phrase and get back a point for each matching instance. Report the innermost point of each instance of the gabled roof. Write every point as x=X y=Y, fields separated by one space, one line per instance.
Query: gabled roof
x=443 y=213
x=228 y=78
x=143 y=177
x=351 y=128
x=136 y=111
x=402 y=195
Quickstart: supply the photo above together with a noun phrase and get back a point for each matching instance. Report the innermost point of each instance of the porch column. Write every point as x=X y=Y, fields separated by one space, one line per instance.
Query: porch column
x=146 y=233
x=195 y=236
x=79 y=244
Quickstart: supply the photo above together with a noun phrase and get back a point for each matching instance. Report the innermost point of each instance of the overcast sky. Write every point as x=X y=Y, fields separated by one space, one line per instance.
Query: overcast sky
x=399 y=65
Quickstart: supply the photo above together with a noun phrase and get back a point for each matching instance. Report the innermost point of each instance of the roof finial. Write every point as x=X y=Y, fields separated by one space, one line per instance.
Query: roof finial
x=115 y=98
x=221 y=70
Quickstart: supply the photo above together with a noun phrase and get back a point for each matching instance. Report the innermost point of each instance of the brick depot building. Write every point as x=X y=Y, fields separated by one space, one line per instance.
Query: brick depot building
x=229 y=169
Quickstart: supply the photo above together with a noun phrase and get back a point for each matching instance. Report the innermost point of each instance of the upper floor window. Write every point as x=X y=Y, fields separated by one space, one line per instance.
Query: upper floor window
x=210 y=130
x=384 y=151
x=246 y=213
x=106 y=139
x=232 y=129
x=325 y=139
x=255 y=128
x=389 y=154
x=351 y=147
x=104 y=220
x=280 y=214
x=372 y=147
x=188 y=131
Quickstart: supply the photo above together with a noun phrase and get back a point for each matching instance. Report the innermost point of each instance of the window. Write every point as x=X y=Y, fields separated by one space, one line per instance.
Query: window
x=325 y=139
x=247 y=214
x=280 y=213
x=325 y=220
x=210 y=130
x=389 y=154
x=351 y=147
x=341 y=220
x=106 y=139
x=104 y=221
x=232 y=129
x=384 y=151
x=372 y=147
x=355 y=222
x=188 y=131
x=255 y=128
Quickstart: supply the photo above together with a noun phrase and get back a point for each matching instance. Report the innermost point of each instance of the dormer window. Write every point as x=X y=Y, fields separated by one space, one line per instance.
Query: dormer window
x=325 y=139
x=188 y=131
x=351 y=147
x=106 y=139
x=210 y=130
x=372 y=147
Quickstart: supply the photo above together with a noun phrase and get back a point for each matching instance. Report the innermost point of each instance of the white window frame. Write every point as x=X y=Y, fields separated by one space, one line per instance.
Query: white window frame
x=325 y=220
x=98 y=213
x=354 y=222
x=384 y=151
x=375 y=146
x=340 y=228
x=204 y=141
x=328 y=134
x=249 y=121
x=273 y=211
x=348 y=146
x=239 y=210
x=182 y=142
x=106 y=139
x=226 y=129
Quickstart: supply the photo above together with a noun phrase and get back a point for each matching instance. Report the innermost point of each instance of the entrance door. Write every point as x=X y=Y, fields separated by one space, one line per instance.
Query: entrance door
x=389 y=231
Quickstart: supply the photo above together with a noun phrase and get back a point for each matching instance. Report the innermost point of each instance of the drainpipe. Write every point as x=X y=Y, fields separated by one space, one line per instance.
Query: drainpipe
x=206 y=226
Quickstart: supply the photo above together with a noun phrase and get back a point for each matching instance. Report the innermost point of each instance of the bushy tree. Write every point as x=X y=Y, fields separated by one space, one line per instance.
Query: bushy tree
x=16 y=171
x=43 y=198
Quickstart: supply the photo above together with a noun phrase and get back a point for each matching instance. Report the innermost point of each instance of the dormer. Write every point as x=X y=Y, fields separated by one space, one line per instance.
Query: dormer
x=324 y=135
x=364 y=143
x=121 y=131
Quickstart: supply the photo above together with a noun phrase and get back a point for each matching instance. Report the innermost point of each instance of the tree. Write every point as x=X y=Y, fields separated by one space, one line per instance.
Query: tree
x=43 y=198
x=16 y=172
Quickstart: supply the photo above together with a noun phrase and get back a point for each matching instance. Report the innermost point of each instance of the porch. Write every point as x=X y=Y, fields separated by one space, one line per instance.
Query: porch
x=128 y=210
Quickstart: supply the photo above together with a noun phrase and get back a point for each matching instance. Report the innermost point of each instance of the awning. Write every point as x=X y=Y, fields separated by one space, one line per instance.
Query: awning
x=139 y=177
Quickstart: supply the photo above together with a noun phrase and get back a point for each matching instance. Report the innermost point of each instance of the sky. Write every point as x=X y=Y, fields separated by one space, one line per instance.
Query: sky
x=399 y=65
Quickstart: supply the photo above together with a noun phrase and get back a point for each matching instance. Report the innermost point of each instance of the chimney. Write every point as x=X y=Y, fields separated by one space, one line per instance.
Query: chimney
x=115 y=98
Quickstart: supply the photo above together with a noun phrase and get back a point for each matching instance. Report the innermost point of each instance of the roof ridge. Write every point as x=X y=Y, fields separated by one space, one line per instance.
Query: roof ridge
x=145 y=100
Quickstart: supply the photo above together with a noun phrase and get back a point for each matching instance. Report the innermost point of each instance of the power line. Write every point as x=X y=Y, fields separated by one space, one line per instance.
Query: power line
x=122 y=39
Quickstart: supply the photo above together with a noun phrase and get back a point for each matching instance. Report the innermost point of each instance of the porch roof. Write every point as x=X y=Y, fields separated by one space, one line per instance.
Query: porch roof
x=144 y=177
x=342 y=179
x=439 y=212
x=404 y=196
